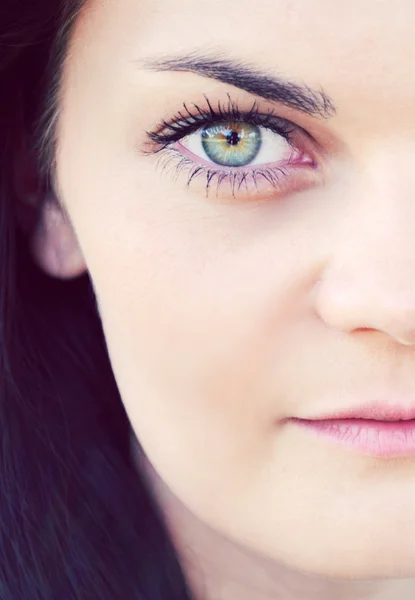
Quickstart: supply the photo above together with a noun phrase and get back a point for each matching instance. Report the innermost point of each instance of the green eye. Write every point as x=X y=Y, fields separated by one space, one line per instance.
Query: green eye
x=231 y=144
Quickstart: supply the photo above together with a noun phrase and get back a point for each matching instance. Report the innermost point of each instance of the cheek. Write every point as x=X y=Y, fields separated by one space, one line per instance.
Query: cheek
x=188 y=324
x=194 y=325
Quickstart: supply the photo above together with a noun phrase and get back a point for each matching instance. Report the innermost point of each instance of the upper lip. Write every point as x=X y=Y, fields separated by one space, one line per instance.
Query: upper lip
x=377 y=411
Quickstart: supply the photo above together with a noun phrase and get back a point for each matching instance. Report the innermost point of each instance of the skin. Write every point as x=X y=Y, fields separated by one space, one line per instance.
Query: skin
x=225 y=315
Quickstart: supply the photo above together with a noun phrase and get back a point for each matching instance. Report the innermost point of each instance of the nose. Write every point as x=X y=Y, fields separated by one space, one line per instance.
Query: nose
x=369 y=280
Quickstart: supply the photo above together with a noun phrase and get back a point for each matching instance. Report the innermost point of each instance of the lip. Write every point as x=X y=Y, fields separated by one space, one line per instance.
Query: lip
x=376 y=411
x=377 y=429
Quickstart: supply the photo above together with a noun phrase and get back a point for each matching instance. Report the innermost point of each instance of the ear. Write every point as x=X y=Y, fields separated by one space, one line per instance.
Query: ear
x=52 y=240
x=53 y=243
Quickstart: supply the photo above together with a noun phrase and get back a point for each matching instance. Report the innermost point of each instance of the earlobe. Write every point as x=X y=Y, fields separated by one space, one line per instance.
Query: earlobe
x=54 y=245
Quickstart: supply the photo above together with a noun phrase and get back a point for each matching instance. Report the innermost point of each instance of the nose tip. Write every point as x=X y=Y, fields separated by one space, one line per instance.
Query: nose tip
x=362 y=305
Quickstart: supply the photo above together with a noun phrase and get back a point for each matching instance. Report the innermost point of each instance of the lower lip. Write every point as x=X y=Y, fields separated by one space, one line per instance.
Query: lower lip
x=375 y=438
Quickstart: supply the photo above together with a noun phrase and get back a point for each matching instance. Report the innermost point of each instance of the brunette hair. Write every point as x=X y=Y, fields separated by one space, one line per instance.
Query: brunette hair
x=77 y=518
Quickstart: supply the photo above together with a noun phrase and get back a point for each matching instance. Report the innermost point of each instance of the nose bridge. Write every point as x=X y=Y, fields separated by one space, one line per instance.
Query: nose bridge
x=380 y=226
x=369 y=281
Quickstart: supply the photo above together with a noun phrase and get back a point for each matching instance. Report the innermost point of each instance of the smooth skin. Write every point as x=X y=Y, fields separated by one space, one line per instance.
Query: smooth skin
x=224 y=315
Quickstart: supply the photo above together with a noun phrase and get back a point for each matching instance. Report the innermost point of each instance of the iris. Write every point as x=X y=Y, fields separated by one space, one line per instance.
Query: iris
x=231 y=144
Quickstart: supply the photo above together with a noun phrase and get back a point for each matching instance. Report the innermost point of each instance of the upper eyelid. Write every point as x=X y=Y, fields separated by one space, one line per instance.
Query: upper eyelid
x=266 y=119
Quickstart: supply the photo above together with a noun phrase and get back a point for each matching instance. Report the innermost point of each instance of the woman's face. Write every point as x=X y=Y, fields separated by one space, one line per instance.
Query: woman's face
x=279 y=282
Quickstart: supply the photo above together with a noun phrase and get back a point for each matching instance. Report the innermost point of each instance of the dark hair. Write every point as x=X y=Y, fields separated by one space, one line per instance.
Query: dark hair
x=77 y=518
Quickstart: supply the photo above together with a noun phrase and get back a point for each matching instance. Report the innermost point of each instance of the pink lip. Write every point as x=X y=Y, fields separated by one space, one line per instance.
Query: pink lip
x=374 y=411
x=380 y=430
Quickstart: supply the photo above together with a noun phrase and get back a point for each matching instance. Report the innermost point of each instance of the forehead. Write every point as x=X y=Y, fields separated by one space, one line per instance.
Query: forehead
x=359 y=52
x=279 y=32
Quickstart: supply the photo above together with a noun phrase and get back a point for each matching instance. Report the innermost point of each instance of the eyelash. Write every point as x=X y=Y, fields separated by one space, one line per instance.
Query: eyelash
x=192 y=120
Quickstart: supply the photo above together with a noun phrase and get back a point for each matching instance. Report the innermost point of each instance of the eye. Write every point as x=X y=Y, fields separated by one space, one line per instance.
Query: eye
x=239 y=144
x=243 y=154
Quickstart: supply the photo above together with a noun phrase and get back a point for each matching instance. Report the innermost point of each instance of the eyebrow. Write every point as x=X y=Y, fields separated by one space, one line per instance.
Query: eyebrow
x=249 y=78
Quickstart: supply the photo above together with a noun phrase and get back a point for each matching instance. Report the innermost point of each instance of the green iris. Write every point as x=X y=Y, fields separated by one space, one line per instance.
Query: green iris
x=231 y=144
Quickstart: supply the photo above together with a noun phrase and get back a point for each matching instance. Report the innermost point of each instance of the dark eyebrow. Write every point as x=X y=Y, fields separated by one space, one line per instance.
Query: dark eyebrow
x=249 y=78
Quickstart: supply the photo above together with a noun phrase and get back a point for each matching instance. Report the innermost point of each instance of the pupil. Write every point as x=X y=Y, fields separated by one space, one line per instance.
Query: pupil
x=233 y=138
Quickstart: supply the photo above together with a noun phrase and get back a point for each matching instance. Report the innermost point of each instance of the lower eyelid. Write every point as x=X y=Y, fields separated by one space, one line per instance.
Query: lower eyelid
x=240 y=184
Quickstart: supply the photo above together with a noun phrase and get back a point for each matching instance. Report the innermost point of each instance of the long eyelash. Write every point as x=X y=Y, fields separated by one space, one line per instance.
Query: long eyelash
x=189 y=120
x=235 y=178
